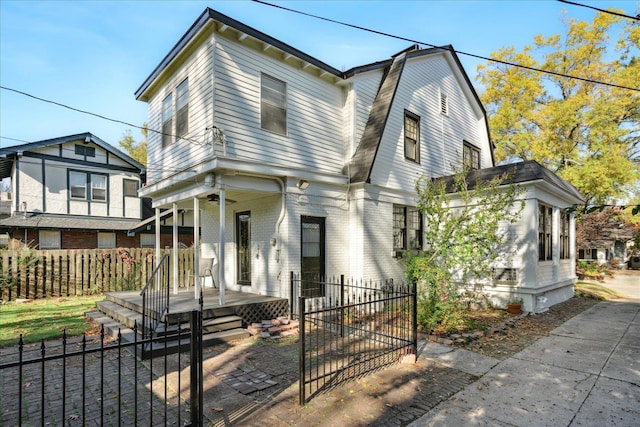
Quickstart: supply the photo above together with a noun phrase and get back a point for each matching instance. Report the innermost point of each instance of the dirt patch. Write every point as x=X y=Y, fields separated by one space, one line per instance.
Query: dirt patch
x=525 y=330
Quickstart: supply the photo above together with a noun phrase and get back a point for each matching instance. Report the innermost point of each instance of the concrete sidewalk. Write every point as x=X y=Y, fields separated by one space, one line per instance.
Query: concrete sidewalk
x=586 y=372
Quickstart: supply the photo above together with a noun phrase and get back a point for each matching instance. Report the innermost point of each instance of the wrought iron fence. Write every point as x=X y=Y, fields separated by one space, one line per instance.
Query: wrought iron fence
x=98 y=380
x=348 y=330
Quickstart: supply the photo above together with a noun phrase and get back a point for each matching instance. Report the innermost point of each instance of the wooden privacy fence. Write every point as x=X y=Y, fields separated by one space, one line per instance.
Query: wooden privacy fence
x=34 y=274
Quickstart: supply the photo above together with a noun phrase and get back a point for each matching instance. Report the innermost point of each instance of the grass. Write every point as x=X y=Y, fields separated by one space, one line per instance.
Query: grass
x=44 y=319
x=593 y=290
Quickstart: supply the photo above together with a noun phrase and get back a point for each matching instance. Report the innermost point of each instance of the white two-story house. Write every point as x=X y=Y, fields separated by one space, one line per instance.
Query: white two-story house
x=288 y=164
x=73 y=192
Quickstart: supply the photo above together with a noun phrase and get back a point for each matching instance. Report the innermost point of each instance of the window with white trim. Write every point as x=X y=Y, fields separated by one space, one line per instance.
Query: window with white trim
x=88 y=186
x=564 y=241
x=411 y=136
x=78 y=185
x=167 y=120
x=106 y=240
x=182 y=108
x=49 y=239
x=273 y=104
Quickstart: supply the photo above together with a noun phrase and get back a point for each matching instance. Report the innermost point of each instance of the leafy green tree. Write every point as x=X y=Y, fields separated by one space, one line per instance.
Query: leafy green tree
x=586 y=132
x=465 y=229
x=137 y=150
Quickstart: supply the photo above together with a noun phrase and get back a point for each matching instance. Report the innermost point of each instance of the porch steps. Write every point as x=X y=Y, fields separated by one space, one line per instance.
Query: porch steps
x=115 y=317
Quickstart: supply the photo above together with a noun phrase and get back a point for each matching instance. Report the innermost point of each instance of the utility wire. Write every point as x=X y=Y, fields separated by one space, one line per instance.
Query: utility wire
x=95 y=114
x=611 y=12
x=450 y=49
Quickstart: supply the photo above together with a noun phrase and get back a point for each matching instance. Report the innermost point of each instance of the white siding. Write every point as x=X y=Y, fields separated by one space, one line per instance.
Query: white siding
x=441 y=136
x=365 y=88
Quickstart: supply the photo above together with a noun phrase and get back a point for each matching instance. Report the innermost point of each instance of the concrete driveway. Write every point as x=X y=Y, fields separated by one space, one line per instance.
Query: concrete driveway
x=626 y=282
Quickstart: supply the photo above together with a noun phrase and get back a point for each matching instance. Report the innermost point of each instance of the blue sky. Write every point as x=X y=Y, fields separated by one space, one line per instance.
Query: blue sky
x=93 y=55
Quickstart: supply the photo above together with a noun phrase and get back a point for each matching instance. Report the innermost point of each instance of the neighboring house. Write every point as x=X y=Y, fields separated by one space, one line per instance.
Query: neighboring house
x=288 y=164
x=72 y=192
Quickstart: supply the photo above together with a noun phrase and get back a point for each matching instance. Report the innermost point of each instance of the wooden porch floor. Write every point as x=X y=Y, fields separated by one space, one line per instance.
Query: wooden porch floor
x=251 y=307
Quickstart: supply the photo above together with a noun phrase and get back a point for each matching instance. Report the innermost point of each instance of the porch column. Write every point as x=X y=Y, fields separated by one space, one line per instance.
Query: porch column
x=196 y=247
x=221 y=259
x=174 y=232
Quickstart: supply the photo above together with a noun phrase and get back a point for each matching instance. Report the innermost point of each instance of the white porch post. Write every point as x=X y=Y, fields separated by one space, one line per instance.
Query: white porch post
x=196 y=249
x=221 y=259
x=174 y=232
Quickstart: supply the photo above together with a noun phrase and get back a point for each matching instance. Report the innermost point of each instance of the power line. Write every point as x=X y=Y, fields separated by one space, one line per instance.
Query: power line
x=95 y=114
x=484 y=58
x=611 y=12
x=14 y=139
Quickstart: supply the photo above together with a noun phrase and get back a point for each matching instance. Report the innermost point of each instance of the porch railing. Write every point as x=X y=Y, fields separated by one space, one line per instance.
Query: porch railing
x=155 y=298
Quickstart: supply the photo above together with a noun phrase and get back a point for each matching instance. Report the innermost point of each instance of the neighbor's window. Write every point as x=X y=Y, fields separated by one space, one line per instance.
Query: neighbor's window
x=130 y=188
x=78 y=185
x=564 y=236
x=167 y=120
x=106 y=240
x=407 y=228
x=470 y=156
x=49 y=239
x=545 y=227
x=99 y=187
x=182 y=107
x=83 y=150
x=411 y=136
x=273 y=105
x=147 y=240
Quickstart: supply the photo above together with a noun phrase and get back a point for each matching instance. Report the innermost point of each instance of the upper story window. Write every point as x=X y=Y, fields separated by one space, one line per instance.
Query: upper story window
x=130 y=188
x=411 y=136
x=273 y=105
x=167 y=120
x=83 y=150
x=407 y=228
x=182 y=108
x=79 y=182
x=444 y=104
x=565 y=248
x=470 y=156
x=545 y=230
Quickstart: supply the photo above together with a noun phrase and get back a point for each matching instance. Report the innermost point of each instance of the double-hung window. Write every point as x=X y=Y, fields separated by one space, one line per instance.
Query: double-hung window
x=182 y=108
x=545 y=230
x=167 y=120
x=470 y=156
x=88 y=186
x=273 y=104
x=411 y=136
x=407 y=228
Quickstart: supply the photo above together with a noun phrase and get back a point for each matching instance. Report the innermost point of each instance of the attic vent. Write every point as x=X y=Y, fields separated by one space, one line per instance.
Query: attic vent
x=444 y=105
x=502 y=275
x=83 y=150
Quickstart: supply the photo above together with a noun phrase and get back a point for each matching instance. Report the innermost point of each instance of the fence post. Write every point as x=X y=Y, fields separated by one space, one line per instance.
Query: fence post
x=196 y=368
x=414 y=319
x=342 y=305
x=302 y=351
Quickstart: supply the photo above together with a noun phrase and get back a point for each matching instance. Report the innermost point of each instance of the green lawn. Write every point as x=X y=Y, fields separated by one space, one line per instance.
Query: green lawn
x=593 y=290
x=44 y=319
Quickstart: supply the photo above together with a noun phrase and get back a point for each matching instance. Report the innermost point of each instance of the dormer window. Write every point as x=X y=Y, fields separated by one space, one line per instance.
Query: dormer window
x=411 y=136
x=273 y=105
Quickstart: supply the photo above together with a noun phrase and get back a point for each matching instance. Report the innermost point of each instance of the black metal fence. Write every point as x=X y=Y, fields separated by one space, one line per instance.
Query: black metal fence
x=102 y=381
x=348 y=330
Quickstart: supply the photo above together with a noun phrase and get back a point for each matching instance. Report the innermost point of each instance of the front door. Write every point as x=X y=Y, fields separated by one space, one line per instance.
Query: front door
x=312 y=262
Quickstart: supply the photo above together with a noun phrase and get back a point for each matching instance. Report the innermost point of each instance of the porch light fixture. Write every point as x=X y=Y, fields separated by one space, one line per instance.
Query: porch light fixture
x=303 y=184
